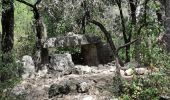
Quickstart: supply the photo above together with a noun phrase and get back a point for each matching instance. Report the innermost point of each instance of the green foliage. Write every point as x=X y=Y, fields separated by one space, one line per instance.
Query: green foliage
x=9 y=74
x=24 y=38
x=148 y=88
x=25 y=45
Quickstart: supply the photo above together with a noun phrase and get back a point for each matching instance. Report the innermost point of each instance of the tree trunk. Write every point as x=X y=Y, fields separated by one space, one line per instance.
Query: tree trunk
x=126 y=39
x=139 y=36
x=41 y=35
x=166 y=37
x=115 y=54
x=7 y=22
x=7 y=41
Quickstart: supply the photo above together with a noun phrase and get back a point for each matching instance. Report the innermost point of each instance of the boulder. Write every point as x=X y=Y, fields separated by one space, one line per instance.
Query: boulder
x=28 y=67
x=62 y=63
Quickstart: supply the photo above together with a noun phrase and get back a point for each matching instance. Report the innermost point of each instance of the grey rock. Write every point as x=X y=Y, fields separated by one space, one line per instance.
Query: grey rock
x=129 y=72
x=83 y=69
x=141 y=71
x=58 y=90
x=28 y=67
x=88 y=97
x=164 y=97
x=132 y=64
x=18 y=90
x=62 y=63
x=83 y=87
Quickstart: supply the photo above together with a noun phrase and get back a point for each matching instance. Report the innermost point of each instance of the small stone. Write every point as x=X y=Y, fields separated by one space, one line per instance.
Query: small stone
x=140 y=71
x=129 y=72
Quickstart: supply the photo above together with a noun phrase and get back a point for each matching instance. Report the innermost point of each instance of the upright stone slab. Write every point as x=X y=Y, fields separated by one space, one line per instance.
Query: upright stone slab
x=90 y=54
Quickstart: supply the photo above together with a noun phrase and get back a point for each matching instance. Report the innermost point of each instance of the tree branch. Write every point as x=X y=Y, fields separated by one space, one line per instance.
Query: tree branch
x=122 y=20
x=26 y=3
x=107 y=34
x=109 y=40
x=127 y=44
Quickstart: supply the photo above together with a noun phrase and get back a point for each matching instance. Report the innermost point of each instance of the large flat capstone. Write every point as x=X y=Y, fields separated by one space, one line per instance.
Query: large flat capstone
x=71 y=39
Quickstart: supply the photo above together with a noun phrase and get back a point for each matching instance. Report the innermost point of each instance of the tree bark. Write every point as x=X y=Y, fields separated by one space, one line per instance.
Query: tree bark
x=166 y=36
x=127 y=38
x=7 y=22
x=7 y=41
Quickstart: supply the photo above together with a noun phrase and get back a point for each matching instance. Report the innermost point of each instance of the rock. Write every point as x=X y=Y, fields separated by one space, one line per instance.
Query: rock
x=43 y=71
x=129 y=72
x=163 y=97
x=18 y=90
x=58 y=89
x=83 y=87
x=112 y=68
x=62 y=63
x=141 y=71
x=70 y=39
x=83 y=69
x=88 y=97
x=122 y=72
x=132 y=64
x=28 y=67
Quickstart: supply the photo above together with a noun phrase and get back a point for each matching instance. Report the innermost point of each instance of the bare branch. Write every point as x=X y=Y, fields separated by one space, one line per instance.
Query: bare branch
x=26 y=3
x=127 y=44
x=107 y=34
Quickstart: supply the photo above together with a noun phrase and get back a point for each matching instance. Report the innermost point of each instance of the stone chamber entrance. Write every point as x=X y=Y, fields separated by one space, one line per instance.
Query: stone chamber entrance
x=91 y=50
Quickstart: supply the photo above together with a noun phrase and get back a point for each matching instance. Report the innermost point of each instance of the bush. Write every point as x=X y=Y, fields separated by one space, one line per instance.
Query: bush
x=151 y=86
